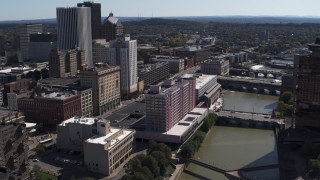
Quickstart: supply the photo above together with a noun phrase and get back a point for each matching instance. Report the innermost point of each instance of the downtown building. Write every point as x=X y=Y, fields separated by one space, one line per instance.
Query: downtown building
x=24 y=36
x=307 y=80
x=100 y=51
x=50 y=108
x=123 y=53
x=13 y=146
x=40 y=46
x=74 y=30
x=215 y=66
x=111 y=28
x=95 y=17
x=166 y=105
x=176 y=64
x=65 y=63
x=105 y=83
x=153 y=73
x=104 y=148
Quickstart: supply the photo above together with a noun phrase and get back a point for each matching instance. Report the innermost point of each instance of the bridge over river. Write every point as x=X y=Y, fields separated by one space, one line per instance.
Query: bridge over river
x=250 y=84
x=233 y=174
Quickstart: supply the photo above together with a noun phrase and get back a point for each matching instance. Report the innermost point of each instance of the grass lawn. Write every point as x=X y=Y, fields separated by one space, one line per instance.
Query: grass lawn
x=44 y=176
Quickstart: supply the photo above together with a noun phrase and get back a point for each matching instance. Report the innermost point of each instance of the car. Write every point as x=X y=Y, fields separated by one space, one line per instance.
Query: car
x=57 y=158
x=35 y=160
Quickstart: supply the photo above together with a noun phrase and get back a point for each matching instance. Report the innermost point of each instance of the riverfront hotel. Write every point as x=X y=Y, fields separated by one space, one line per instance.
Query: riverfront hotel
x=307 y=74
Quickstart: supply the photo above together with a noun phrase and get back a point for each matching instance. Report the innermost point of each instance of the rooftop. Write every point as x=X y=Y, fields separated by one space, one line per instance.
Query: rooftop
x=103 y=140
x=57 y=95
x=60 y=81
x=201 y=79
x=148 y=67
x=80 y=120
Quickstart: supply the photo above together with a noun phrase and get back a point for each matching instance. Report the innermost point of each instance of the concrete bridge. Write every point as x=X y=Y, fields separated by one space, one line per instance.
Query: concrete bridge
x=250 y=84
x=249 y=72
x=251 y=120
x=233 y=174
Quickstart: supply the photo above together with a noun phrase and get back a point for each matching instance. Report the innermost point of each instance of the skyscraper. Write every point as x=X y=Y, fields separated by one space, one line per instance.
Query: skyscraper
x=95 y=17
x=123 y=52
x=111 y=28
x=307 y=73
x=74 y=30
x=24 y=36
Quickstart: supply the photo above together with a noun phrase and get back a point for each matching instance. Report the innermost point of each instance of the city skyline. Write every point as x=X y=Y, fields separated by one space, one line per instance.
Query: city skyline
x=124 y=8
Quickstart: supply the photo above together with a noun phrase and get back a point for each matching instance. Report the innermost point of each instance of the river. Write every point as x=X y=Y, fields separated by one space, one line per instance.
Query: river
x=231 y=148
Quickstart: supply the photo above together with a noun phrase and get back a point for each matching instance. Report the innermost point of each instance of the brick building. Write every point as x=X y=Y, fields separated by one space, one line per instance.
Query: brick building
x=15 y=86
x=51 y=108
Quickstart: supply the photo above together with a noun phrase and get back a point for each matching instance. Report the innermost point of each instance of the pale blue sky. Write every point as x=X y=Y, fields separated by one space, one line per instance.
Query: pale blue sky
x=40 y=9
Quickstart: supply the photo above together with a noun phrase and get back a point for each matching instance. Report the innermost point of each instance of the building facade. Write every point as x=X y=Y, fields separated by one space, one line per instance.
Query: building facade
x=74 y=30
x=123 y=53
x=215 y=66
x=153 y=73
x=24 y=35
x=168 y=104
x=176 y=64
x=50 y=108
x=40 y=46
x=95 y=17
x=307 y=73
x=16 y=86
x=105 y=83
x=100 y=51
x=13 y=145
x=65 y=63
x=111 y=28
x=13 y=98
x=106 y=151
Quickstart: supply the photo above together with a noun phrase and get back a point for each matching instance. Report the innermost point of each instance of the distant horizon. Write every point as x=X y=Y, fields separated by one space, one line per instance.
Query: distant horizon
x=33 y=9
x=233 y=16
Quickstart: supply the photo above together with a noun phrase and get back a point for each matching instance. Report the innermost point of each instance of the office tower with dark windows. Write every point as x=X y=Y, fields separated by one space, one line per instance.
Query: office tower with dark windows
x=95 y=17
x=111 y=28
x=24 y=36
x=74 y=30
x=123 y=53
x=307 y=80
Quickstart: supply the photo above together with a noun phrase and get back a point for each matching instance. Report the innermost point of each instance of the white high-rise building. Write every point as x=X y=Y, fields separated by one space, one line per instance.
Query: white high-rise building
x=24 y=36
x=74 y=30
x=123 y=52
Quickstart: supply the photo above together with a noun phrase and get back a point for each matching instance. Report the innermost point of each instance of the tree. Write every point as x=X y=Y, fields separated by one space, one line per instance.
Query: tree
x=44 y=73
x=152 y=165
x=286 y=97
x=163 y=162
x=163 y=148
x=40 y=148
x=36 y=75
x=314 y=165
x=187 y=150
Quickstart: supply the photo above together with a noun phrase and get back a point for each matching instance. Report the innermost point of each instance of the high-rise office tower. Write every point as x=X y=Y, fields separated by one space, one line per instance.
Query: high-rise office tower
x=24 y=36
x=123 y=52
x=307 y=73
x=100 y=51
x=74 y=30
x=111 y=28
x=167 y=105
x=95 y=17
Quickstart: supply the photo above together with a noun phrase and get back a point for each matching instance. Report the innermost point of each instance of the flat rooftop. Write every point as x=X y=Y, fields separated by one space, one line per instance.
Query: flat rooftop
x=183 y=125
x=201 y=80
x=57 y=95
x=103 y=140
x=81 y=120
x=60 y=81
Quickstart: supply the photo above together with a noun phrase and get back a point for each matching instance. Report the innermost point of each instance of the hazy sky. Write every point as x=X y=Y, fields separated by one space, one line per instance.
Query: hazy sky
x=40 y=9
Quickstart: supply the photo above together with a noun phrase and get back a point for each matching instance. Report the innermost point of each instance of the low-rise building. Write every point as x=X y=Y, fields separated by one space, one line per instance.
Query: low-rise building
x=215 y=66
x=153 y=73
x=13 y=98
x=105 y=148
x=50 y=108
x=176 y=64
x=207 y=87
